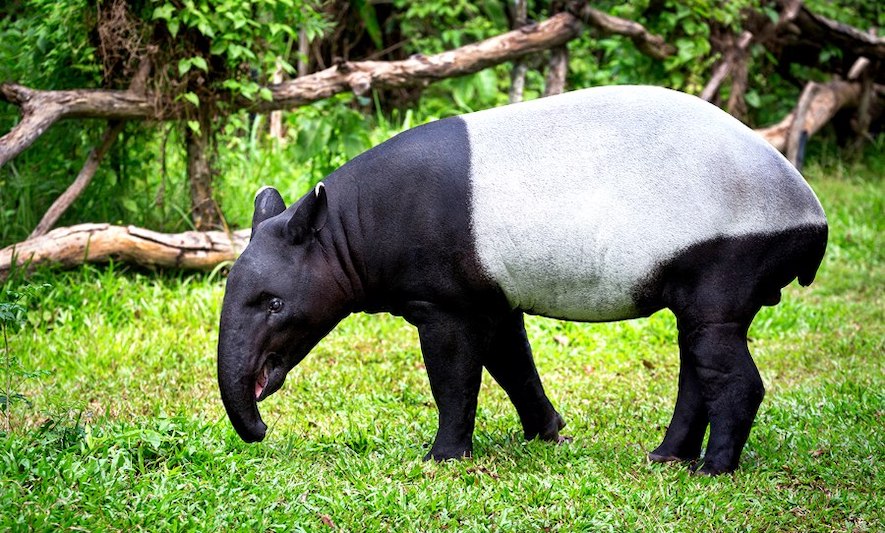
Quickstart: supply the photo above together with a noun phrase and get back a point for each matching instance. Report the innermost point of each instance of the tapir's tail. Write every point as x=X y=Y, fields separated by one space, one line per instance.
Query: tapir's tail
x=815 y=244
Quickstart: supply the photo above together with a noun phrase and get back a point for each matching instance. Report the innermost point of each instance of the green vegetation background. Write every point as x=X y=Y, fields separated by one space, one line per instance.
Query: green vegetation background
x=125 y=429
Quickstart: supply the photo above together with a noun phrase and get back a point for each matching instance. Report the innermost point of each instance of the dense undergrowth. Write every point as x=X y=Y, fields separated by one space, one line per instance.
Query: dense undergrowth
x=128 y=430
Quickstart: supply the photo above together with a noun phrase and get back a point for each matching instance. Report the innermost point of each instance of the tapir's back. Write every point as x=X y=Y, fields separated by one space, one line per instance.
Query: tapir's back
x=575 y=200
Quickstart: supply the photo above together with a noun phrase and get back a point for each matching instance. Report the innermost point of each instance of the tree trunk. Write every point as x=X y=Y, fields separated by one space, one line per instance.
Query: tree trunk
x=557 y=70
x=519 y=10
x=276 y=117
x=204 y=210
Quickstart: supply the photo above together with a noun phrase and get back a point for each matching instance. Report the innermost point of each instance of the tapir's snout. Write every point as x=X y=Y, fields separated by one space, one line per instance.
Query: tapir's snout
x=237 y=383
x=250 y=430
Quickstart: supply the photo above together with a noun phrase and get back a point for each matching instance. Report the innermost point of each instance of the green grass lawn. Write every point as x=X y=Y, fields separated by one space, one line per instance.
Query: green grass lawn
x=128 y=431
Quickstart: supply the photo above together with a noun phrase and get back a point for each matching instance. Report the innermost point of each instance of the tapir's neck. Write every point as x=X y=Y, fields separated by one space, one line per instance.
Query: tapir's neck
x=402 y=210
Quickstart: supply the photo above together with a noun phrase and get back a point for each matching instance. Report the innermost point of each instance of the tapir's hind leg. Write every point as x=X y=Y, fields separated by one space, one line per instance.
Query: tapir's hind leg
x=685 y=434
x=509 y=360
x=715 y=289
x=731 y=388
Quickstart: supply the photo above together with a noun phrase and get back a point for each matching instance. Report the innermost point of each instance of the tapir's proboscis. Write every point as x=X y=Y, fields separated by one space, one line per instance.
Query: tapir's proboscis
x=598 y=205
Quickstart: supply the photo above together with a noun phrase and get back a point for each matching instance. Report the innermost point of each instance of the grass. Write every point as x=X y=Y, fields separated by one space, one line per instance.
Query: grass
x=128 y=431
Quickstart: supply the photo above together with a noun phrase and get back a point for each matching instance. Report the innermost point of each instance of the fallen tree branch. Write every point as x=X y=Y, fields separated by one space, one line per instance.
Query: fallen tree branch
x=647 y=42
x=61 y=204
x=819 y=104
x=40 y=109
x=98 y=243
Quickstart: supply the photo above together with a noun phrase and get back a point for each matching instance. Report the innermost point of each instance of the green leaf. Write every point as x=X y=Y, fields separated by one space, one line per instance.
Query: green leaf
x=163 y=12
x=218 y=47
x=173 y=26
x=200 y=63
x=752 y=99
x=184 y=66
x=265 y=94
x=194 y=125
x=192 y=98
x=129 y=205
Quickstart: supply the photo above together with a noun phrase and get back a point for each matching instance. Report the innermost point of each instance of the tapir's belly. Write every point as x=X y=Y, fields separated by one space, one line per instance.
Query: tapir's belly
x=574 y=206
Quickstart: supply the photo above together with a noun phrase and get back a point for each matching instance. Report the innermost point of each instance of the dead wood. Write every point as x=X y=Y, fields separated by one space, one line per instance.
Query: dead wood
x=98 y=243
x=40 y=109
x=63 y=202
x=557 y=70
x=725 y=67
x=647 y=42
x=818 y=104
x=518 y=11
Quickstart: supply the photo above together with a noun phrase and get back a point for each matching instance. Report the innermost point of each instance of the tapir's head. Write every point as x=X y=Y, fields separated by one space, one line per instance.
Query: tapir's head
x=281 y=299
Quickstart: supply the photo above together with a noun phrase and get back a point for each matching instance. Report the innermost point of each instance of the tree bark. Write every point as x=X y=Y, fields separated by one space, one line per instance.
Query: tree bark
x=276 y=117
x=204 y=211
x=519 y=9
x=99 y=243
x=647 y=42
x=557 y=70
x=819 y=104
x=725 y=67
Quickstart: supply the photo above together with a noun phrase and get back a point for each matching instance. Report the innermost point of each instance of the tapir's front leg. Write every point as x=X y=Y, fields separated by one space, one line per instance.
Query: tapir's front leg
x=452 y=345
x=509 y=360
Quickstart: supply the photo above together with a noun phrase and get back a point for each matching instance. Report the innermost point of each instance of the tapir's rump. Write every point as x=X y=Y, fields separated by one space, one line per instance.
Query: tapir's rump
x=576 y=200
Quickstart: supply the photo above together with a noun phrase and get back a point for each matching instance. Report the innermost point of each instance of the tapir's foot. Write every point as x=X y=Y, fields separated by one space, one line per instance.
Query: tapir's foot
x=712 y=468
x=550 y=431
x=658 y=456
x=448 y=453
x=668 y=453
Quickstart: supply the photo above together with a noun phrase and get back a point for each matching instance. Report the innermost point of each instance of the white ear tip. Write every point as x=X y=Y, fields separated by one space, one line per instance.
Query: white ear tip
x=316 y=190
x=262 y=189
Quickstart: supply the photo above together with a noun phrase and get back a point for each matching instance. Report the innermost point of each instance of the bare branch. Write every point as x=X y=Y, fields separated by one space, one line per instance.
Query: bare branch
x=725 y=66
x=61 y=204
x=649 y=43
x=97 y=243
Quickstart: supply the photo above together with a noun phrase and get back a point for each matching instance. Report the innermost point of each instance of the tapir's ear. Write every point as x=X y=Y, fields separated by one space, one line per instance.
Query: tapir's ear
x=268 y=203
x=310 y=216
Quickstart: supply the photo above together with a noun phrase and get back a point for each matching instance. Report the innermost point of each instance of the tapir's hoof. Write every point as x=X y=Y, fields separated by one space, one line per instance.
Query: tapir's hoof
x=562 y=439
x=666 y=454
x=657 y=458
x=448 y=455
x=711 y=469
x=549 y=434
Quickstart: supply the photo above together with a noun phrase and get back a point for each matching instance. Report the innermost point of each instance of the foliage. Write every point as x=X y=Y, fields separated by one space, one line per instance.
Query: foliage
x=235 y=43
x=13 y=313
x=214 y=50
x=129 y=431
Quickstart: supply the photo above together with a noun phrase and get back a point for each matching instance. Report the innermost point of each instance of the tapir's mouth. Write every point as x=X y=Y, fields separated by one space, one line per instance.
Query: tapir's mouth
x=270 y=377
x=261 y=382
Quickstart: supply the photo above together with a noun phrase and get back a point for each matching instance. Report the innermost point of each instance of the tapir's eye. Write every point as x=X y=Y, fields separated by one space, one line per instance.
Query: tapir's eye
x=275 y=305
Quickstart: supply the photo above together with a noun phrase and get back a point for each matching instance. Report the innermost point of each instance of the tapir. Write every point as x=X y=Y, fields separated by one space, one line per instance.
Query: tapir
x=598 y=205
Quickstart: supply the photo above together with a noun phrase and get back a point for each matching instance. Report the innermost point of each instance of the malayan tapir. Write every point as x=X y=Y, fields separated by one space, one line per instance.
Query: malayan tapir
x=597 y=205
